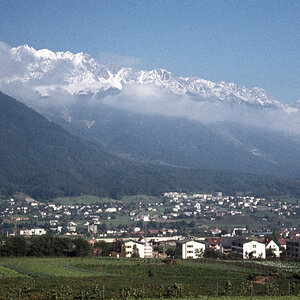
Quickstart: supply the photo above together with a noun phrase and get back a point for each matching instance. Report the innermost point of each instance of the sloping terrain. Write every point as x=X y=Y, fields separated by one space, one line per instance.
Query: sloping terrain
x=41 y=159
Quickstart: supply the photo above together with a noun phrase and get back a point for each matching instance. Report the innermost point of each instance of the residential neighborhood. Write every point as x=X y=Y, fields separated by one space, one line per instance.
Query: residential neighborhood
x=189 y=248
x=190 y=224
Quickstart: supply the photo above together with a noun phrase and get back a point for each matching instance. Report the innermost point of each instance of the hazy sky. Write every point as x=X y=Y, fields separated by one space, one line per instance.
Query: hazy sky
x=251 y=43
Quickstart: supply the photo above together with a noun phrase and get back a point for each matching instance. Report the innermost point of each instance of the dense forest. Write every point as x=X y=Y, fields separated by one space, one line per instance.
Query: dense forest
x=44 y=161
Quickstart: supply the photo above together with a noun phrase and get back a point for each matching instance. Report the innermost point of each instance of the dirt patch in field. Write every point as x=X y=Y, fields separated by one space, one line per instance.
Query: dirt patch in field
x=264 y=279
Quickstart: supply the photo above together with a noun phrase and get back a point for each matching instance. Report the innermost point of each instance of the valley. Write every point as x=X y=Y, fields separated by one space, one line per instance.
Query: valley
x=149 y=150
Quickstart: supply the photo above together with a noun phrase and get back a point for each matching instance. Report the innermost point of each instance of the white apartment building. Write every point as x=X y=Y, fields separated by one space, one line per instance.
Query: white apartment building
x=190 y=249
x=143 y=248
x=249 y=249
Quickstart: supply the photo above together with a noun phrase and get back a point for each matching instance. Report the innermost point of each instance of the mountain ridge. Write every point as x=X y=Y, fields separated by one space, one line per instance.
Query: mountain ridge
x=80 y=73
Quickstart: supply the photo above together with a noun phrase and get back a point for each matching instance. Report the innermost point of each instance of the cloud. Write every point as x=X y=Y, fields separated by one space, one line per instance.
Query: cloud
x=152 y=100
x=119 y=61
x=9 y=67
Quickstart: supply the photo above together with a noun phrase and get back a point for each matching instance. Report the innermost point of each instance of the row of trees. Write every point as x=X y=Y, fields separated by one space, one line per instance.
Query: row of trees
x=43 y=246
x=48 y=245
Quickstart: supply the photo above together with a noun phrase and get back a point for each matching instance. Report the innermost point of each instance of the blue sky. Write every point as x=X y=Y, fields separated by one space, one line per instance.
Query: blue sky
x=251 y=43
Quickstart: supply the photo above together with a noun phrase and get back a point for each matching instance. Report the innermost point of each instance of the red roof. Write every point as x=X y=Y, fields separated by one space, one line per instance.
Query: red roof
x=138 y=232
x=262 y=241
x=213 y=241
x=282 y=241
x=92 y=242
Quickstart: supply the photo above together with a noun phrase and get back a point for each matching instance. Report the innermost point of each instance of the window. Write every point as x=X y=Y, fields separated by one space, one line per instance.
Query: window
x=190 y=252
x=254 y=246
x=190 y=246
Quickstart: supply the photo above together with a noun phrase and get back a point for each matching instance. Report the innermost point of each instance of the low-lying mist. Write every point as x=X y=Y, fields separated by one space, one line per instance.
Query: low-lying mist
x=151 y=100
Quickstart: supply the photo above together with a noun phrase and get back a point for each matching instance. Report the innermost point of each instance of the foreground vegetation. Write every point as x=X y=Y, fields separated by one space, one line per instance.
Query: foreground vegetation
x=98 y=278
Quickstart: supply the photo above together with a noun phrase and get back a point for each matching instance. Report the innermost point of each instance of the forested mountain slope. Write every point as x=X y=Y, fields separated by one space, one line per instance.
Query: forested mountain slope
x=43 y=160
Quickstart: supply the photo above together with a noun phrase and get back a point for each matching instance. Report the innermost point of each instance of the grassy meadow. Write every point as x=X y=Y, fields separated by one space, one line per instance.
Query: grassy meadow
x=89 y=199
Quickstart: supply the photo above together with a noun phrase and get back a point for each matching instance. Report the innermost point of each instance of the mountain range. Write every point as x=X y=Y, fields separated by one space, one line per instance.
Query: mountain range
x=43 y=160
x=156 y=117
x=46 y=71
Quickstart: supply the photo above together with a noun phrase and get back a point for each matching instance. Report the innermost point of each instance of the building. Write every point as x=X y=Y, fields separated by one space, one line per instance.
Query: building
x=33 y=231
x=72 y=227
x=274 y=247
x=92 y=242
x=293 y=248
x=249 y=249
x=225 y=244
x=92 y=229
x=190 y=249
x=140 y=248
x=212 y=243
x=282 y=243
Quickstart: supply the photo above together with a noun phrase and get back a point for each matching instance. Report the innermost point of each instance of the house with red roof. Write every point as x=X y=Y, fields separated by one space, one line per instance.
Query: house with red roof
x=212 y=243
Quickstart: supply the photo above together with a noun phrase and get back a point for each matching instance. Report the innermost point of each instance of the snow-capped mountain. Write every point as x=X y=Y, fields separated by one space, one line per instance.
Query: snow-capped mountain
x=45 y=71
x=155 y=116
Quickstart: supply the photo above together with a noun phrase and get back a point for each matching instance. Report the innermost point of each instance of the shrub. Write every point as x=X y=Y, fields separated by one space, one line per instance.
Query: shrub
x=130 y=292
x=246 y=288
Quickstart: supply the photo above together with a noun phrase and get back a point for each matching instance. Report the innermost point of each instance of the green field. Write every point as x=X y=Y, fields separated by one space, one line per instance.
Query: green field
x=85 y=278
x=89 y=199
x=86 y=199
x=142 y=198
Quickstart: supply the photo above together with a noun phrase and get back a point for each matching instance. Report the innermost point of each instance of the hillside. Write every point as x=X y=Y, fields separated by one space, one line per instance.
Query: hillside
x=45 y=161
x=186 y=143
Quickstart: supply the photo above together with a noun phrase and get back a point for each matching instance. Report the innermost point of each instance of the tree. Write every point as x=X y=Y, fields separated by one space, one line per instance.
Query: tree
x=282 y=252
x=210 y=253
x=275 y=236
x=171 y=252
x=158 y=249
x=199 y=253
x=270 y=253
x=116 y=245
x=227 y=288
x=102 y=248
x=103 y=227
x=80 y=247
x=249 y=255
x=135 y=252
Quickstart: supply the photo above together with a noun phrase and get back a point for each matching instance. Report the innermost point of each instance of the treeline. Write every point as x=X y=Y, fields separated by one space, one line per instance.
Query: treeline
x=43 y=246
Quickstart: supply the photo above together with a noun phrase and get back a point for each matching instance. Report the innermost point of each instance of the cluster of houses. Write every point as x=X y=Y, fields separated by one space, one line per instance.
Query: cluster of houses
x=76 y=219
x=172 y=206
x=160 y=216
x=194 y=249
x=217 y=205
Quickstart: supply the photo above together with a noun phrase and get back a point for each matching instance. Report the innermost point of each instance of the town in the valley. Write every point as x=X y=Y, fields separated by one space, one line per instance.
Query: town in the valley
x=176 y=224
